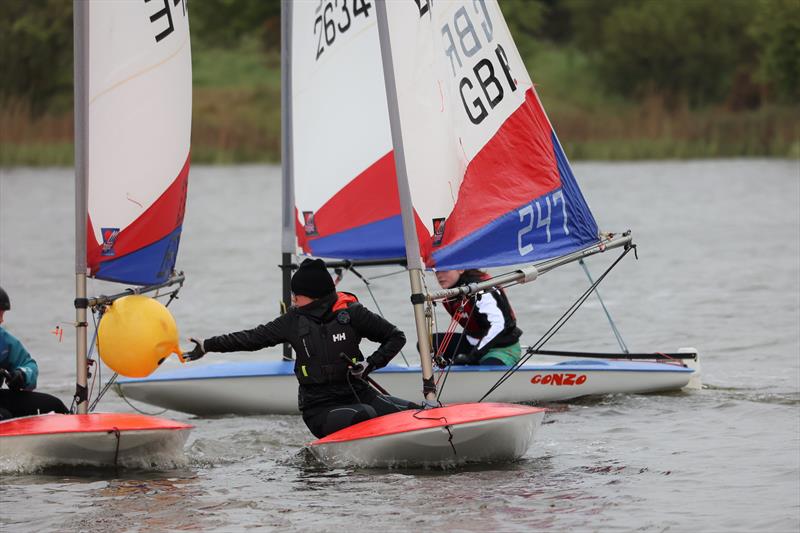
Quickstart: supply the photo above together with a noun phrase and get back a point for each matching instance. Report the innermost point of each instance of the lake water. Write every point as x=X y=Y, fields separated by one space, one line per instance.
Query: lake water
x=718 y=269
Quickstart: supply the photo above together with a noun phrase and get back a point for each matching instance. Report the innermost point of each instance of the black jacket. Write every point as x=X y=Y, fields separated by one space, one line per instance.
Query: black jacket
x=285 y=328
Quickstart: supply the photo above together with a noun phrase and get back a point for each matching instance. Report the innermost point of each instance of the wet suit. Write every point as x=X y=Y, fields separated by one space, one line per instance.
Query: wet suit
x=19 y=399
x=329 y=397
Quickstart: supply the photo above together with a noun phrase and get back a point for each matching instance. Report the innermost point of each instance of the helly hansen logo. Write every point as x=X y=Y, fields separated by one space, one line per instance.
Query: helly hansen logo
x=339 y=337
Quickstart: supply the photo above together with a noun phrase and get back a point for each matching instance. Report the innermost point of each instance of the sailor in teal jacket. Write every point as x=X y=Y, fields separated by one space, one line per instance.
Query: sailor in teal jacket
x=19 y=372
x=14 y=356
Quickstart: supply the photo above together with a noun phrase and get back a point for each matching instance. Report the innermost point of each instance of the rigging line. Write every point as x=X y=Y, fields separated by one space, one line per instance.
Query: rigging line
x=455 y=350
x=380 y=276
x=375 y=300
x=617 y=334
x=140 y=411
x=103 y=391
x=555 y=327
x=446 y=426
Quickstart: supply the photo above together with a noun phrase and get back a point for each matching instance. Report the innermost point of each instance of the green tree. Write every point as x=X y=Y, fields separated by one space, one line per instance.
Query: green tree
x=224 y=23
x=524 y=19
x=680 y=49
x=776 y=29
x=36 y=52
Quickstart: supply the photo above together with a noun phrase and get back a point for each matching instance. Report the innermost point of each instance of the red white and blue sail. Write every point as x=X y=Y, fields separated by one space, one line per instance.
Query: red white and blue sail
x=345 y=188
x=489 y=182
x=139 y=121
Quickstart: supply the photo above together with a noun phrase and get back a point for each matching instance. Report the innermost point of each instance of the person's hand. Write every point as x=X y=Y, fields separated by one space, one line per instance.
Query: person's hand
x=197 y=352
x=361 y=370
x=470 y=358
x=16 y=379
x=431 y=404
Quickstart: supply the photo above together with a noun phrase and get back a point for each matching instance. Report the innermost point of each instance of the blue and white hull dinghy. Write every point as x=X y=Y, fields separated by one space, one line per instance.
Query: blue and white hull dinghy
x=270 y=387
x=445 y=436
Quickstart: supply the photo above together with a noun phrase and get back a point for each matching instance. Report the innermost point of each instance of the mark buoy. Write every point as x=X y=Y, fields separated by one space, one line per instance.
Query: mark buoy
x=135 y=335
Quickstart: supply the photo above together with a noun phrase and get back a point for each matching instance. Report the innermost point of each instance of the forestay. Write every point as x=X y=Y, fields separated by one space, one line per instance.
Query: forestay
x=489 y=182
x=139 y=125
x=343 y=169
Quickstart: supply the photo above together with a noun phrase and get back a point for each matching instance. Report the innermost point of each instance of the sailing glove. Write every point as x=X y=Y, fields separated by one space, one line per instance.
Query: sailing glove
x=469 y=358
x=361 y=370
x=197 y=352
x=16 y=380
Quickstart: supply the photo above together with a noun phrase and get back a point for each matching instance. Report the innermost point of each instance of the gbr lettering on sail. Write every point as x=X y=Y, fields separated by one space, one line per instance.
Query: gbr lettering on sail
x=478 y=62
x=490 y=79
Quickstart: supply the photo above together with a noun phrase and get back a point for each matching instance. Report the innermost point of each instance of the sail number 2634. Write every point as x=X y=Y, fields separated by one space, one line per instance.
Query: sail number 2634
x=536 y=217
x=335 y=17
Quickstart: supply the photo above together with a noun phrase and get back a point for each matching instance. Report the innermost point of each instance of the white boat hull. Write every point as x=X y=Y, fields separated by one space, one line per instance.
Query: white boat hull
x=487 y=440
x=97 y=440
x=249 y=388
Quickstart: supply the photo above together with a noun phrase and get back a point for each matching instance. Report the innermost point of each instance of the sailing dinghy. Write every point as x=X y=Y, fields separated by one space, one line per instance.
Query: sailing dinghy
x=341 y=201
x=473 y=432
x=132 y=130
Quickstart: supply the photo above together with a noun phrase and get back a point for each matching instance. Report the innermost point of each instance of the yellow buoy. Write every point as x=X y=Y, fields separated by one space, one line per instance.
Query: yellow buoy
x=135 y=335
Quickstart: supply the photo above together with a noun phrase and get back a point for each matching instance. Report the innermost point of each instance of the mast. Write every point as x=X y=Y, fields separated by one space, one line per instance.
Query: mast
x=287 y=170
x=81 y=77
x=414 y=261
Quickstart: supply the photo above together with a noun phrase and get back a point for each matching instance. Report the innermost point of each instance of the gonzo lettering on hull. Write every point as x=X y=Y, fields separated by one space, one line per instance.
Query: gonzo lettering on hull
x=559 y=379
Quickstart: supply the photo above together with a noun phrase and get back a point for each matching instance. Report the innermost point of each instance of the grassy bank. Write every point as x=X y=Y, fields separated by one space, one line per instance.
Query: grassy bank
x=236 y=117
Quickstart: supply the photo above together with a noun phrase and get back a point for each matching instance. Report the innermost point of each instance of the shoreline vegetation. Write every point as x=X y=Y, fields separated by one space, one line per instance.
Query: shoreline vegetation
x=578 y=74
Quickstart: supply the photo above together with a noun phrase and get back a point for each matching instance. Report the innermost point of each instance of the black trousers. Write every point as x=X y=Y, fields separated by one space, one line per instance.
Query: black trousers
x=26 y=403
x=325 y=419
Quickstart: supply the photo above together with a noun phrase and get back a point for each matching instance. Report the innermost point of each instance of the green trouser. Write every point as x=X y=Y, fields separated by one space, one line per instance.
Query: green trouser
x=509 y=355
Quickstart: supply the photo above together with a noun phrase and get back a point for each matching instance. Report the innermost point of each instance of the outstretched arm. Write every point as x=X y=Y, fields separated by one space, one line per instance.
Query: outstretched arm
x=249 y=340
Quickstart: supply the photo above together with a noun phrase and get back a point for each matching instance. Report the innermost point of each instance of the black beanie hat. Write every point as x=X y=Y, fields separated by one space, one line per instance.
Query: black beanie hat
x=312 y=279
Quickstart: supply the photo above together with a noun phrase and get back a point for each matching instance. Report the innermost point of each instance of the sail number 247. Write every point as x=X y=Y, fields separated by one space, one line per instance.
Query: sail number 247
x=534 y=217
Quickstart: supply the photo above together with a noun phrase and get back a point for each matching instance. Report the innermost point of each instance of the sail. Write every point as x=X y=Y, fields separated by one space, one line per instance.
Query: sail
x=489 y=182
x=345 y=189
x=139 y=125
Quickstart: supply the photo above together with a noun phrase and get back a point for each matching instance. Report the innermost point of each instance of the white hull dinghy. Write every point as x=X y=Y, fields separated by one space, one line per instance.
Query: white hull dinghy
x=270 y=387
x=133 y=77
x=97 y=439
x=445 y=436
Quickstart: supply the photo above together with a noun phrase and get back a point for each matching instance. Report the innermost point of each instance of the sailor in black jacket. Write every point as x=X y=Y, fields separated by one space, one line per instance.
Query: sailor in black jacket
x=325 y=329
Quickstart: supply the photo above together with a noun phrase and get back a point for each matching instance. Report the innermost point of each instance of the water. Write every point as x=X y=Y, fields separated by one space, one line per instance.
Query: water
x=718 y=269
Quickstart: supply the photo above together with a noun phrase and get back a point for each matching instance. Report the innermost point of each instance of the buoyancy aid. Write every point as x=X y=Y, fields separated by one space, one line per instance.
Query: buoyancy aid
x=477 y=325
x=320 y=361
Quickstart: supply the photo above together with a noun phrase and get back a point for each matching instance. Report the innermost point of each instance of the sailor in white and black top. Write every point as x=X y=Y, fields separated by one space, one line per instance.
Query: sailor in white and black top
x=491 y=335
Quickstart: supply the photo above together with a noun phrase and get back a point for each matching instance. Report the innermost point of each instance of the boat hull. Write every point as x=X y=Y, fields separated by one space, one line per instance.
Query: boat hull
x=98 y=439
x=447 y=436
x=270 y=387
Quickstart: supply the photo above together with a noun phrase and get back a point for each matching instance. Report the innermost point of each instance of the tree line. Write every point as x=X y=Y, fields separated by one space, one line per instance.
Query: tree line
x=740 y=54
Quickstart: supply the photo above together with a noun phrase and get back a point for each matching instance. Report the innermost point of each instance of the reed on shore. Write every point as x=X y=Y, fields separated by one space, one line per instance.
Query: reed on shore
x=236 y=118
